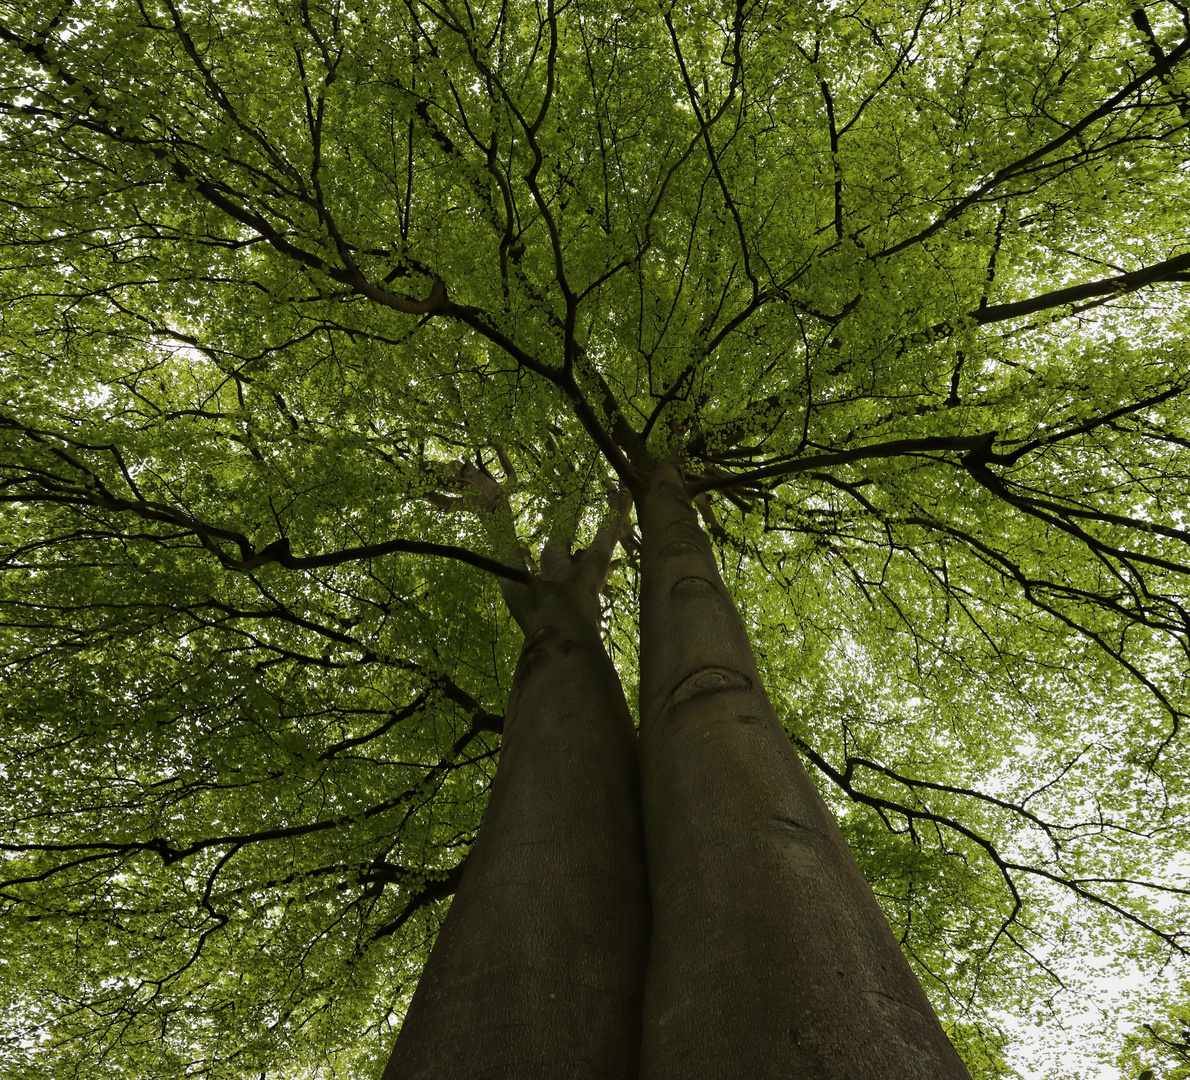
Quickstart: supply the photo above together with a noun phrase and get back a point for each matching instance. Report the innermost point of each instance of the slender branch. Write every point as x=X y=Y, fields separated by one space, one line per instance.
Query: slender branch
x=389 y=547
x=1173 y=269
x=1076 y=885
x=963 y=444
x=433 y=891
x=169 y=853
x=1036 y=158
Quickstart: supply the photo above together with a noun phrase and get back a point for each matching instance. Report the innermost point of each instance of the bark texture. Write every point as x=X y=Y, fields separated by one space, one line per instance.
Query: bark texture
x=539 y=968
x=770 y=954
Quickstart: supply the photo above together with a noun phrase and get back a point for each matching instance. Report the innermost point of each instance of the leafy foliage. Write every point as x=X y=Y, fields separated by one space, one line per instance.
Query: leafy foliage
x=901 y=282
x=1161 y=1048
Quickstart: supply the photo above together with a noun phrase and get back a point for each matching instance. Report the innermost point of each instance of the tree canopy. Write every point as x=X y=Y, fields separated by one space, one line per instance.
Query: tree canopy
x=901 y=282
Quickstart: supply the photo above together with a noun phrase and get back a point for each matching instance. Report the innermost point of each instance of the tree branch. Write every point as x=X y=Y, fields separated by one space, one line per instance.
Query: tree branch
x=963 y=444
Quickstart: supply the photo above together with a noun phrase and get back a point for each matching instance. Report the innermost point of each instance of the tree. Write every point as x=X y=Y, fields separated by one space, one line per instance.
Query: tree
x=899 y=284
x=539 y=969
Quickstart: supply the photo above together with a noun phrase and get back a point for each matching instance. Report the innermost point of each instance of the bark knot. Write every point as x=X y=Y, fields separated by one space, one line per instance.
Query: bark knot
x=692 y=585
x=677 y=548
x=709 y=680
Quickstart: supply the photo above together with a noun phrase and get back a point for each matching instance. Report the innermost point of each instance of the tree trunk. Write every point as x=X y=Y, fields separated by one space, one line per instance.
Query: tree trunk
x=770 y=954
x=539 y=967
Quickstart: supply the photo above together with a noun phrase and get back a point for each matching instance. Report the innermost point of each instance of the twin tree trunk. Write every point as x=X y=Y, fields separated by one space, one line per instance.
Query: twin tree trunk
x=769 y=955
x=538 y=970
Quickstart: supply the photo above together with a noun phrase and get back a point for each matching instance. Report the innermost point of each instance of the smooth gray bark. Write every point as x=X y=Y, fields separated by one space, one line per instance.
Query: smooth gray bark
x=770 y=954
x=538 y=970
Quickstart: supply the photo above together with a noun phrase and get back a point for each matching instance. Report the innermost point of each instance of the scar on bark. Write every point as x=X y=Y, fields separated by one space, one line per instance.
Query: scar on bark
x=693 y=584
x=680 y=547
x=708 y=680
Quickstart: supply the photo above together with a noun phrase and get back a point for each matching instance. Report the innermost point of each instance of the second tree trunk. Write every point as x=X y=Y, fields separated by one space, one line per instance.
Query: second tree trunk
x=770 y=954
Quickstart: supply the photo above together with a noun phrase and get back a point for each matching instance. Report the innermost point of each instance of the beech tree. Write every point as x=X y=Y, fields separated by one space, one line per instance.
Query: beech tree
x=323 y=319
